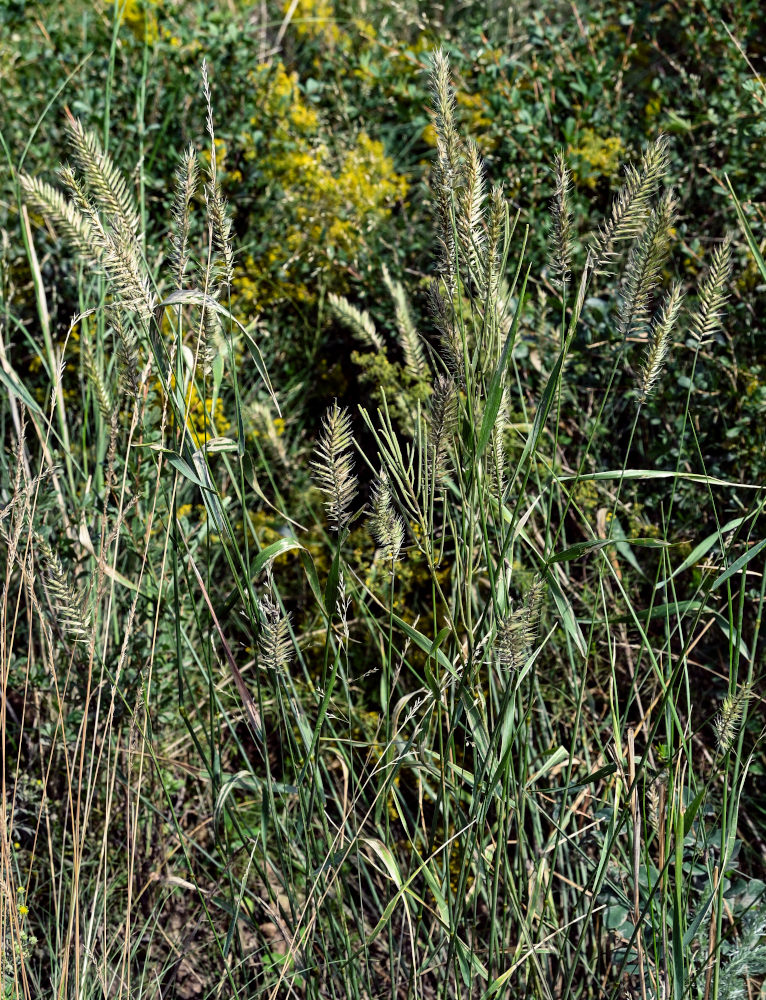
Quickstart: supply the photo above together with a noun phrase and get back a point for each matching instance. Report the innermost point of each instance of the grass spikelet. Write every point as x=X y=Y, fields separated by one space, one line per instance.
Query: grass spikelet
x=496 y=222
x=561 y=214
x=449 y=145
x=104 y=182
x=220 y=225
x=334 y=465
x=446 y=175
x=631 y=206
x=70 y=222
x=713 y=294
x=470 y=216
x=517 y=632
x=386 y=526
x=222 y=268
x=645 y=263
x=409 y=338
x=187 y=178
x=357 y=320
x=127 y=353
x=444 y=319
x=275 y=645
x=96 y=379
x=66 y=604
x=443 y=419
x=124 y=267
x=659 y=341
x=729 y=719
x=496 y=451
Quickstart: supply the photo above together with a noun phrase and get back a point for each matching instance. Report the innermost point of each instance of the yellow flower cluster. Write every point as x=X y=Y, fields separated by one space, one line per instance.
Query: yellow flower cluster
x=140 y=17
x=205 y=419
x=314 y=19
x=596 y=157
x=329 y=200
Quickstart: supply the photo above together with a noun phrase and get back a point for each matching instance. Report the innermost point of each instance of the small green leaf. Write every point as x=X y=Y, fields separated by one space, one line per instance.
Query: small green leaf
x=272 y=551
x=739 y=564
x=331 y=588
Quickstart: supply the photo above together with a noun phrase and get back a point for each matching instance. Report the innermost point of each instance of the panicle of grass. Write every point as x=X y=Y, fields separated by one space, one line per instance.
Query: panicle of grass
x=113 y=247
x=67 y=605
x=98 y=382
x=187 y=179
x=632 y=204
x=659 y=341
x=72 y=225
x=220 y=224
x=443 y=315
x=334 y=465
x=494 y=247
x=105 y=183
x=127 y=353
x=729 y=719
x=386 y=526
x=222 y=265
x=517 y=632
x=647 y=258
x=561 y=214
x=449 y=143
x=210 y=338
x=442 y=423
x=123 y=265
x=275 y=644
x=712 y=295
x=409 y=338
x=446 y=174
x=357 y=320
x=470 y=216
x=496 y=452
x=262 y=415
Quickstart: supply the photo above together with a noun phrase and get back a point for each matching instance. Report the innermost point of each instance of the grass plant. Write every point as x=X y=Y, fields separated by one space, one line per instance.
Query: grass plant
x=462 y=724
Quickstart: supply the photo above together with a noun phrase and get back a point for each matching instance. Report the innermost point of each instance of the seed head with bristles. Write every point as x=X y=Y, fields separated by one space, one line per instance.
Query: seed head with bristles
x=713 y=294
x=496 y=451
x=517 y=632
x=409 y=338
x=334 y=465
x=70 y=222
x=96 y=378
x=496 y=222
x=444 y=119
x=274 y=643
x=632 y=204
x=561 y=214
x=447 y=172
x=470 y=217
x=358 y=321
x=106 y=185
x=222 y=264
x=187 y=177
x=443 y=314
x=443 y=418
x=647 y=258
x=66 y=603
x=127 y=352
x=659 y=341
x=729 y=719
x=386 y=526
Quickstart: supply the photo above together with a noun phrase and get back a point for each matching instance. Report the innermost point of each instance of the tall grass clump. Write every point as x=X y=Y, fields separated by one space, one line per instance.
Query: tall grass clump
x=438 y=732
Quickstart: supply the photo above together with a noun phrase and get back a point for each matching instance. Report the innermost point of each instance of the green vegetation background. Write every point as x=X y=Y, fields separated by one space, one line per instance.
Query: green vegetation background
x=324 y=148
